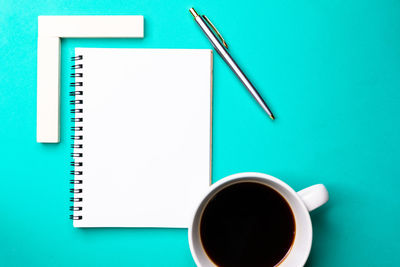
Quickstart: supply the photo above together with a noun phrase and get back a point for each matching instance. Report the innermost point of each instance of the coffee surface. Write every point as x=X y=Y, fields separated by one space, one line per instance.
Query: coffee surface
x=247 y=224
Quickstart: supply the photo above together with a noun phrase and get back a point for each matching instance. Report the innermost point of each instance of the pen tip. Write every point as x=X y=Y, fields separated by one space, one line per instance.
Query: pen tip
x=272 y=117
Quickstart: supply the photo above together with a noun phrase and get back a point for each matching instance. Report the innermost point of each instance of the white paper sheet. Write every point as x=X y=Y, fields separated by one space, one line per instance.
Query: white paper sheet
x=146 y=136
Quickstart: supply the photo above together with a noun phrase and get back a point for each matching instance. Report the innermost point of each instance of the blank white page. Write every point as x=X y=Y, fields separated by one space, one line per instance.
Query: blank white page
x=146 y=136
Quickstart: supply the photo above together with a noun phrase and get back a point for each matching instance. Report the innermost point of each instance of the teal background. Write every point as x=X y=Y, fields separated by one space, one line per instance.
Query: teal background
x=330 y=71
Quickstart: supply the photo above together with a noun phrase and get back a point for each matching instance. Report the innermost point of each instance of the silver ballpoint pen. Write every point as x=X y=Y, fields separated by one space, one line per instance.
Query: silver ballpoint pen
x=221 y=49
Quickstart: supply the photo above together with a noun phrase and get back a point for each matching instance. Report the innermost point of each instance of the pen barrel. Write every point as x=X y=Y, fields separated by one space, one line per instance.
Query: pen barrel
x=232 y=64
x=211 y=37
x=246 y=82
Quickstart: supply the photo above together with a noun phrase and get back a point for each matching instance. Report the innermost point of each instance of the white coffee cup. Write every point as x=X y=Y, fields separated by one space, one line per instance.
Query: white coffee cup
x=301 y=203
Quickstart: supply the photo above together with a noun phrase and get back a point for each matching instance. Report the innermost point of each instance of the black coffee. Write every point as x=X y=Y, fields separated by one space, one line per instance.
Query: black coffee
x=247 y=224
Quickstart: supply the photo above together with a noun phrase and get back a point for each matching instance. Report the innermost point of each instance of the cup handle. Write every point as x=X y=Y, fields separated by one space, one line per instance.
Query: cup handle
x=314 y=196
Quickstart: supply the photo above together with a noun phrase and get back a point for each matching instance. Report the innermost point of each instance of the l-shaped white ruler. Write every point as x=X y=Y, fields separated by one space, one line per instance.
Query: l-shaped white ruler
x=50 y=30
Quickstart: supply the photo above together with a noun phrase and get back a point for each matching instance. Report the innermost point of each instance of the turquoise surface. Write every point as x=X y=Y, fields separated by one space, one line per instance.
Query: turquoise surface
x=330 y=71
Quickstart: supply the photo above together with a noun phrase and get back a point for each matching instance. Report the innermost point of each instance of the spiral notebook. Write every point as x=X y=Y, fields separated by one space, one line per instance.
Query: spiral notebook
x=142 y=136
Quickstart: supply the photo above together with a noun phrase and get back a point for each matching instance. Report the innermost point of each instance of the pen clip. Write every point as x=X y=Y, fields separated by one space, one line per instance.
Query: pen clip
x=216 y=31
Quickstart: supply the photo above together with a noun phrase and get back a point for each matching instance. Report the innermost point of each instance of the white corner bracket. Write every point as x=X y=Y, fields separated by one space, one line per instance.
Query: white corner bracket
x=50 y=30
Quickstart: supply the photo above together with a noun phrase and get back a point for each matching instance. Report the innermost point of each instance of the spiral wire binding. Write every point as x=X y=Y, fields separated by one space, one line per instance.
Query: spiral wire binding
x=77 y=136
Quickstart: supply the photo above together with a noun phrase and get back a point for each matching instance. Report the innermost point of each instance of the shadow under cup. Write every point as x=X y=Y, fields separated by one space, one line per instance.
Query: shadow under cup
x=251 y=221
